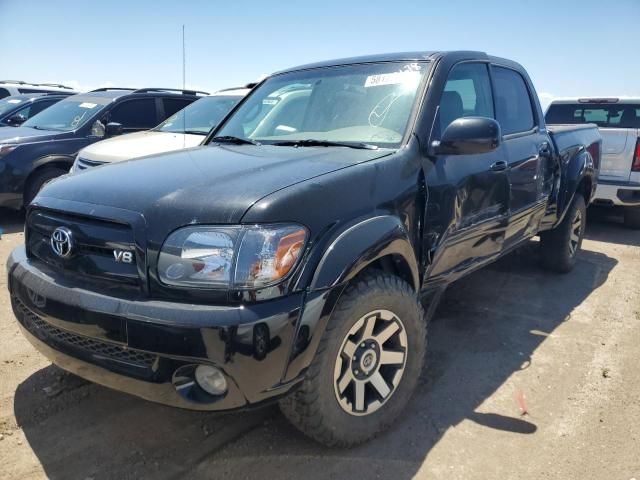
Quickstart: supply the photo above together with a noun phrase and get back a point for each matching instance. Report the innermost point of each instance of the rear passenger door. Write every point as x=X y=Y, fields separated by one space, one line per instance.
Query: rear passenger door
x=468 y=193
x=527 y=151
x=136 y=114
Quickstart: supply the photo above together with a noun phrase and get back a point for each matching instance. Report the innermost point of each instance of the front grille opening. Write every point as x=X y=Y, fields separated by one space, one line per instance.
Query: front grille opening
x=96 y=348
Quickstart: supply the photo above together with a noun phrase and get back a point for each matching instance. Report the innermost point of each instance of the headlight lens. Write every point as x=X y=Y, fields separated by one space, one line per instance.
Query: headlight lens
x=238 y=256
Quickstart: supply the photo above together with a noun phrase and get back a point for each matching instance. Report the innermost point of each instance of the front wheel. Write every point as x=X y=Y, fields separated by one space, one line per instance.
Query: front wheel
x=39 y=180
x=367 y=365
x=561 y=245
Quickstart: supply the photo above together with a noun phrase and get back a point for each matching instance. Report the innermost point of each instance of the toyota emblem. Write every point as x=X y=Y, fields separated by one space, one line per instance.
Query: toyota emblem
x=62 y=242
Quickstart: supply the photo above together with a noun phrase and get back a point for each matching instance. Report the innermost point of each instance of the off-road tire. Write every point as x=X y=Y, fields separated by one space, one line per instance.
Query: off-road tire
x=38 y=181
x=556 y=244
x=632 y=217
x=313 y=407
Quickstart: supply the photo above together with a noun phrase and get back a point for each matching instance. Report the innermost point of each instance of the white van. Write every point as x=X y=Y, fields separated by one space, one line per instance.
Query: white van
x=186 y=128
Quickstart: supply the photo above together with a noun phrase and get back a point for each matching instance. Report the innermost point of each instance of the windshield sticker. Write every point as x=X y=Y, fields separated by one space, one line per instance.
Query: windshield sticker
x=88 y=105
x=14 y=100
x=396 y=78
x=269 y=101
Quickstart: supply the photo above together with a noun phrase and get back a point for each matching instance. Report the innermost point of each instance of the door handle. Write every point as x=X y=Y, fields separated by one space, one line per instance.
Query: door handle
x=499 y=166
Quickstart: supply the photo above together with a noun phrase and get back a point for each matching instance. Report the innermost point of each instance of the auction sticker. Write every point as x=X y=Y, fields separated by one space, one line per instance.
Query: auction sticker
x=395 y=78
x=88 y=105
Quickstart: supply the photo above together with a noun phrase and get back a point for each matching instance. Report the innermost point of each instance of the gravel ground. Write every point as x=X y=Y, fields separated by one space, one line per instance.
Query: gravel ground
x=529 y=375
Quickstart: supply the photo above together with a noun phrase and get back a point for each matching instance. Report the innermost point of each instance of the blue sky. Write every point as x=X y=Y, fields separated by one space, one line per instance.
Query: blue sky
x=581 y=47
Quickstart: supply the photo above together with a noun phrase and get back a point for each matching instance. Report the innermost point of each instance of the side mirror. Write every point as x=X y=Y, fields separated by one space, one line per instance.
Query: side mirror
x=17 y=119
x=469 y=136
x=113 y=129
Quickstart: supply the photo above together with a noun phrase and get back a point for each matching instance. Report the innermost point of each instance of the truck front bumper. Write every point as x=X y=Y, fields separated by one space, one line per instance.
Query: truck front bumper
x=610 y=193
x=151 y=348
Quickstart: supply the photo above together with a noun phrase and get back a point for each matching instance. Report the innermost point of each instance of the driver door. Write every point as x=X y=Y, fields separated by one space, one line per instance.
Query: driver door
x=469 y=194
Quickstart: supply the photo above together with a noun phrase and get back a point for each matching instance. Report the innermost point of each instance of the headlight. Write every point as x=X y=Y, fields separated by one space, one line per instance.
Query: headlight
x=236 y=256
x=6 y=149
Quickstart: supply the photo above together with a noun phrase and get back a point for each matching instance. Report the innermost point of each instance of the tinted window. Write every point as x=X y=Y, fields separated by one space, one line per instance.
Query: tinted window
x=135 y=113
x=173 y=105
x=467 y=93
x=603 y=115
x=40 y=106
x=513 y=104
x=4 y=92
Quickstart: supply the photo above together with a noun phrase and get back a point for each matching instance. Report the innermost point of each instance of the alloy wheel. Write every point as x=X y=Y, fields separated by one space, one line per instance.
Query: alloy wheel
x=370 y=362
x=576 y=230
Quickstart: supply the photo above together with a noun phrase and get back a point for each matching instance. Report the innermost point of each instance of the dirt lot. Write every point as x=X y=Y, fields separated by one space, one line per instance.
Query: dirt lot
x=506 y=339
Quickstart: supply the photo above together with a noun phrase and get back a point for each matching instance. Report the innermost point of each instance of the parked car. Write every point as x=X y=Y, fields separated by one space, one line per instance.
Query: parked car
x=45 y=146
x=291 y=264
x=19 y=87
x=619 y=124
x=16 y=110
x=186 y=128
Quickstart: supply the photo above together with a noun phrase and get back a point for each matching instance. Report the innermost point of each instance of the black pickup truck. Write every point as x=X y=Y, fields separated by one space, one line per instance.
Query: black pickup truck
x=299 y=252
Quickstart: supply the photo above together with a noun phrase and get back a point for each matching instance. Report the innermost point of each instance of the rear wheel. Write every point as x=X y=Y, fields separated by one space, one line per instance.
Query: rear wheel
x=367 y=365
x=561 y=245
x=632 y=217
x=39 y=180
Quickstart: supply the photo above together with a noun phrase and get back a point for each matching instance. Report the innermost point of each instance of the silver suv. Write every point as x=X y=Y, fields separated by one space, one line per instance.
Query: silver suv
x=619 y=123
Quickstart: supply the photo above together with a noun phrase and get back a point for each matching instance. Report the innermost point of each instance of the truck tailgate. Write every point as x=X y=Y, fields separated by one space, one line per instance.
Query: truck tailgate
x=618 y=147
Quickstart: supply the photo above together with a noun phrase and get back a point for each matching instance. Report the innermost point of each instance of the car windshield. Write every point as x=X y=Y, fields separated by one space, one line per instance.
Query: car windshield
x=201 y=116
x=9 y=103
x=68 y=114
x=359 y=104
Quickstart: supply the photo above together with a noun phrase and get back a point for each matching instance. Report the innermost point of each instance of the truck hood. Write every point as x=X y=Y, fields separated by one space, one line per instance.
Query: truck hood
x=206 y=184
x=15 y=135
x=140 y=144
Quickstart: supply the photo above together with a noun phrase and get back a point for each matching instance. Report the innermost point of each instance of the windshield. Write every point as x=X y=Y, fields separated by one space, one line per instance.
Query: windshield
x=9 y=103
x=201 y=116
x=67 y=114
x=367 y=103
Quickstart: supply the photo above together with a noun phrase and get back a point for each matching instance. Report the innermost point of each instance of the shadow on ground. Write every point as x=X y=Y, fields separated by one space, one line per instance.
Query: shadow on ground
x=606 y=225
x=11 y=221
x=487 y=328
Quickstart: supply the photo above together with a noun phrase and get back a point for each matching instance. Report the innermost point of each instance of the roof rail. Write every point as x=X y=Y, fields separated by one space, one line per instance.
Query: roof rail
x=248 y=85
x=53 y=85
x=181 y=90
x=22 y=82
x=59 y=93
x=106 y=89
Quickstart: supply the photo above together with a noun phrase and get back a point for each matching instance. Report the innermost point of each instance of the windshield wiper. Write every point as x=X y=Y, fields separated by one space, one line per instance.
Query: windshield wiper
x=193 y=132
x=232 y=139
x=310 y=142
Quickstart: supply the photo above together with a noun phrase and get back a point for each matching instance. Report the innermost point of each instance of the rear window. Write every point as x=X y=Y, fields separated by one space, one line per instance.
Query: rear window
x=604 y=115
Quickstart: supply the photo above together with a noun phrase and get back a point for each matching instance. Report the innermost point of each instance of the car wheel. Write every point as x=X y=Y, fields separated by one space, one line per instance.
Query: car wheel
x=367 y=364
x=632 y=217
x=39 y=180
x=561 y=245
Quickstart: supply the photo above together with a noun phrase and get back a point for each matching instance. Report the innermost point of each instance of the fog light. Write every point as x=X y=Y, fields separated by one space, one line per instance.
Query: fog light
x=211 y=380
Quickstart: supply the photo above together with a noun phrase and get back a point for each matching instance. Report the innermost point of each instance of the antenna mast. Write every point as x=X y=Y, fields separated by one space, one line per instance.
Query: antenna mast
x=184 y=69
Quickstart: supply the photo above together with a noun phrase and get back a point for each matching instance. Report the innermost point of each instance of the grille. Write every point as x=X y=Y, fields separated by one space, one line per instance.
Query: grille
x=94 y=241
x=44 y=330
x=83 y=163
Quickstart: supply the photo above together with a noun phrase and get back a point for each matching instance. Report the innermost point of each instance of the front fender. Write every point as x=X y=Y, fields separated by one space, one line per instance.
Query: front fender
x=362 y=244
